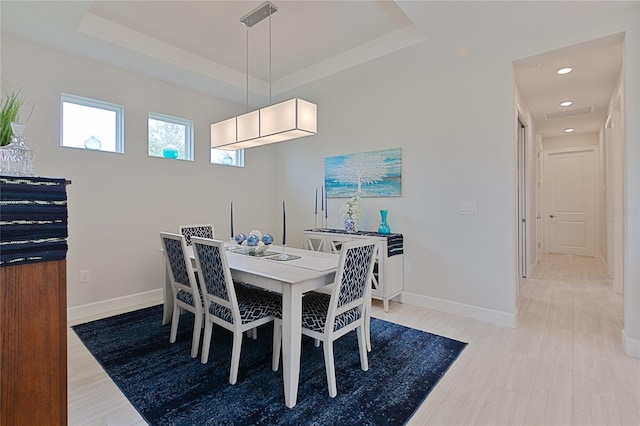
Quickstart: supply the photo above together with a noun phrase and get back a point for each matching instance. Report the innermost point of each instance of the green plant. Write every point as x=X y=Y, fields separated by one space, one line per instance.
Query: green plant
x=9 y=109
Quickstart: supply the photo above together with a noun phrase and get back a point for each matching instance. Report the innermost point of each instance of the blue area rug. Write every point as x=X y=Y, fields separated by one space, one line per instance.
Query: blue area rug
x=168 y=387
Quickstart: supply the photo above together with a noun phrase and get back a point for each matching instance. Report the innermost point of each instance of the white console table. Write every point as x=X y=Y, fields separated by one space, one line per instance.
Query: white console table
x=388 y=279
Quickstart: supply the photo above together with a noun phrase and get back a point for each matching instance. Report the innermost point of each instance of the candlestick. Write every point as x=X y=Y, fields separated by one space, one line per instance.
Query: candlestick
x=322 y=196
x=326 y=202
x=316 y=209
x=232 y=220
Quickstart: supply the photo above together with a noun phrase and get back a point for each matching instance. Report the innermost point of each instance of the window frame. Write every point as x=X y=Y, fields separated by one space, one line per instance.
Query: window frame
x=98 y=104
x=189 y=142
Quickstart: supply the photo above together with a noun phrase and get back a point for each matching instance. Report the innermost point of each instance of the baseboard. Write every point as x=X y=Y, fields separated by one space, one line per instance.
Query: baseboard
x=631 y=346
x=470 y=311
x=124 y=303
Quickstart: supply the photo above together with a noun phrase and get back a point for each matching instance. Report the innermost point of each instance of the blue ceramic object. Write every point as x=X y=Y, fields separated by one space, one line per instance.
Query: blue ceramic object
x=240 y=238
x=170 y=152
x=267 y=239
x=349 y=224
x=384 y=226
x=252 y=240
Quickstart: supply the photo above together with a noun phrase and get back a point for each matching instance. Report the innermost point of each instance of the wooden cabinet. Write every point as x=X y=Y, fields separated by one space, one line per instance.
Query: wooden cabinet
x=33 y=308
x=388 y=279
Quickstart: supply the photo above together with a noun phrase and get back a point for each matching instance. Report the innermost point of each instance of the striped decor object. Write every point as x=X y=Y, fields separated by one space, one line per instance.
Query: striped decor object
x=395 y=242
x=33 y=220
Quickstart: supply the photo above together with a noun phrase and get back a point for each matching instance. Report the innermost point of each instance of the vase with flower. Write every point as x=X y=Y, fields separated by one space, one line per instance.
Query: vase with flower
x=16 y=159
x=351 y=211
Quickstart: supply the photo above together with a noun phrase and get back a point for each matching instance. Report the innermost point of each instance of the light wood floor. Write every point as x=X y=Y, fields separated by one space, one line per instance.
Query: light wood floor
x=562 y=365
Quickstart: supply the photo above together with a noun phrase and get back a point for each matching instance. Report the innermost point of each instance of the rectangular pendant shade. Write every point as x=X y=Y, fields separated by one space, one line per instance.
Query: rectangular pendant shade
x=287 y=120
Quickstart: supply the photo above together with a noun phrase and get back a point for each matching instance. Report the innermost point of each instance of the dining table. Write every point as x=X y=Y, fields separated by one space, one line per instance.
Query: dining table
x=305 y=270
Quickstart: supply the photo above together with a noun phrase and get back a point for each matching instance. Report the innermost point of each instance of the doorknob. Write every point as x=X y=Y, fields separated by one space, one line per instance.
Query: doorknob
x=551 y=216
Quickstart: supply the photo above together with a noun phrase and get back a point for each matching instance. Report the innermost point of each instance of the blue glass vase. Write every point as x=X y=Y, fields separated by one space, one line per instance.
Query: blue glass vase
x=384 y=226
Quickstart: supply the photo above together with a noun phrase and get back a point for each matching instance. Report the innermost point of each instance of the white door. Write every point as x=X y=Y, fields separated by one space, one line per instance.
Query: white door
x=569 y=188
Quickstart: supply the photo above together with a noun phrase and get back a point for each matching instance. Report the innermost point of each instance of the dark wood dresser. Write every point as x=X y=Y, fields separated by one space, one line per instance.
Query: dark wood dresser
x=33 y=308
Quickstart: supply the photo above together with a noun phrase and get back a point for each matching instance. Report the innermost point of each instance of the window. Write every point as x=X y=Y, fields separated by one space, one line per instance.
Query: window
x=170 y=137
x=227 y=158
x=91 y=124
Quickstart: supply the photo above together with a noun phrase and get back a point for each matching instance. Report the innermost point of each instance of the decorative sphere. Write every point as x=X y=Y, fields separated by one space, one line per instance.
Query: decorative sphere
x=267 y=239
x=240 y=238
x=257 y=233
x=252 y=240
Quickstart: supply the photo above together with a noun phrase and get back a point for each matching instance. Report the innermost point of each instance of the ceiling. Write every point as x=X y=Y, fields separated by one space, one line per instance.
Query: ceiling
x=202 y=45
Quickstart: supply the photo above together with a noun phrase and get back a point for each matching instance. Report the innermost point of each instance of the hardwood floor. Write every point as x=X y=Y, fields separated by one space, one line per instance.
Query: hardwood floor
x=562 y=365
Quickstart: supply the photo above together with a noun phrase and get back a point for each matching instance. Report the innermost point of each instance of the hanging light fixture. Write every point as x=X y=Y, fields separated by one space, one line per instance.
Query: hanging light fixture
x=283 y=121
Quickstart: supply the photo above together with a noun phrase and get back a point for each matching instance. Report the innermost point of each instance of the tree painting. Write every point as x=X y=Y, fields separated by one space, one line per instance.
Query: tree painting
x=365 y=174
x=362 y=169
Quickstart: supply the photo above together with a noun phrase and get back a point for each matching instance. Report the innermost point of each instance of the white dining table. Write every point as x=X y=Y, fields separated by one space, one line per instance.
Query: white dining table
x=291 y=278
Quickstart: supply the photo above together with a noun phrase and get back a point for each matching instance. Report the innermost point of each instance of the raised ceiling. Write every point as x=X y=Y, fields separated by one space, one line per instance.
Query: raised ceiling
x=202 y=44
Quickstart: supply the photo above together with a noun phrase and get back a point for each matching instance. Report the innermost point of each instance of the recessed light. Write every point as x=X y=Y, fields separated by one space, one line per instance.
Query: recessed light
x=566 y=103
x=569 y=130
x=566 y=70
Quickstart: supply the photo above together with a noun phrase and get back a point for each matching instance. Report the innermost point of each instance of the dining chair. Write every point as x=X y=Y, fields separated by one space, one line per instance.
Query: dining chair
x=204 y=231
x=327 y=317
x=186 y=294
x=238 y=309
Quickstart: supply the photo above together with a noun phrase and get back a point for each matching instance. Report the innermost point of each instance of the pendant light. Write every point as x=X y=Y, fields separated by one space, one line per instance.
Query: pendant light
x=291 y=119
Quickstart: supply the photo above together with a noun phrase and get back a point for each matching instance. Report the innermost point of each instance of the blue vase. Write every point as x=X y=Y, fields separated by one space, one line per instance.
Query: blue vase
x=384 y=226
x=349 y=224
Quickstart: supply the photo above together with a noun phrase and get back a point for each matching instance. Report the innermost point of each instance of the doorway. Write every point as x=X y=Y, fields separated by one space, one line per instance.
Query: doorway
x=522 y=199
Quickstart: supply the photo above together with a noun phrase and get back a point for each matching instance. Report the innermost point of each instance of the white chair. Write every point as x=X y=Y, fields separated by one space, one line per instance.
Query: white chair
x=204 y=231
x=329 y=317
x=236 y=309
x=186 y=294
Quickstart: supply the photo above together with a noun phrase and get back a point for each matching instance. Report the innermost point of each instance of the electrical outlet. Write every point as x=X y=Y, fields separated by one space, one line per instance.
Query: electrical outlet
x=407 y=267
x=84 y=276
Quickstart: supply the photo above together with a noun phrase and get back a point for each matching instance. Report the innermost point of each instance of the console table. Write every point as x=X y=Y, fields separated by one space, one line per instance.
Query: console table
x=388 y=272
x=33 y=307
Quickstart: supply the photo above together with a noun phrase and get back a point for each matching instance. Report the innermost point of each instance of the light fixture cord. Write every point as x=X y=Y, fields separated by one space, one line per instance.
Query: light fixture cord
x=247 y=62
x=269 y=55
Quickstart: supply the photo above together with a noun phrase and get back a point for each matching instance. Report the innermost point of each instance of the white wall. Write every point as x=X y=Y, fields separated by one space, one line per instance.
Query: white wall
x=119 y=202
x=452 y=151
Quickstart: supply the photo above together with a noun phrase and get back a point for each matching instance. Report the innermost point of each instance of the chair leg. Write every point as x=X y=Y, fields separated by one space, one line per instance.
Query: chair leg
x=367 y=323
x=174 y=323
x=330 y=367
x=235 y=357
x=206 y=342
x=364 y=362
x=277 y=344
x=195 y=341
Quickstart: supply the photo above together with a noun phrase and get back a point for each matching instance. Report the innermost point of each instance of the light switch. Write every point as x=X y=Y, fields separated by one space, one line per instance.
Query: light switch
x=467 y=208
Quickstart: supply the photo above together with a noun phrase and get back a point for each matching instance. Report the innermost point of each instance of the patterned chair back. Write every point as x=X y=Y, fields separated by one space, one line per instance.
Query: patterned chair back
x=216 y=283
x=204 y=231
x=178 y=264
x=353 y=279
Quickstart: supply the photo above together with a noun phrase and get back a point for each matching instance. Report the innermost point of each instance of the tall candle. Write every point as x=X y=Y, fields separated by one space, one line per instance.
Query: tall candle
x=316 y=210
x=322 y=197
x=232 y=220
x=284 y=226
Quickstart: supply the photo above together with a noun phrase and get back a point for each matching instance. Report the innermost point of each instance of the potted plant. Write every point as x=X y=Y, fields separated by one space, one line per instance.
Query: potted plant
x=9 y=110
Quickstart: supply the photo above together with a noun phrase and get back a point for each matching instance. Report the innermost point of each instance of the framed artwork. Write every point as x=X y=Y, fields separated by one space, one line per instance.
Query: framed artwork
x=366 y=174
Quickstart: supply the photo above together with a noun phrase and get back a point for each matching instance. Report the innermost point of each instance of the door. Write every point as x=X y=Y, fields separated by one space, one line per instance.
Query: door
x=569 y=188
x=522 y=200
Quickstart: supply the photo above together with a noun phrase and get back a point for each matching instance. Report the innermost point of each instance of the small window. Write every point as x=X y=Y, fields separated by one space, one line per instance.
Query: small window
x=227 y=158
x=91 y=124
x=170 y=137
